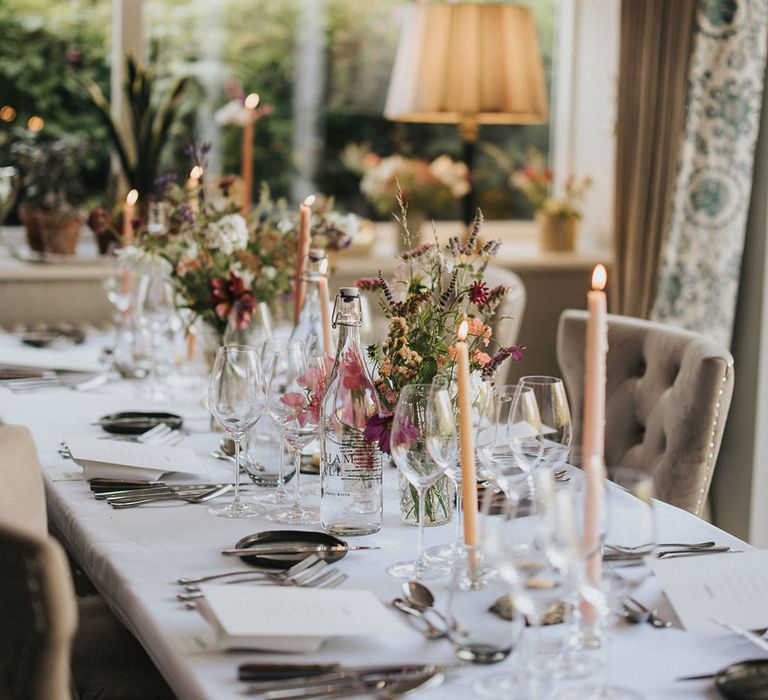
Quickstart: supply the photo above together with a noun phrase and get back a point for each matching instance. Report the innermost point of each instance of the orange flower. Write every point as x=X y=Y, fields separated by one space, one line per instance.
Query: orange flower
x=186 y=265
x=481 y=358
x=478 y=329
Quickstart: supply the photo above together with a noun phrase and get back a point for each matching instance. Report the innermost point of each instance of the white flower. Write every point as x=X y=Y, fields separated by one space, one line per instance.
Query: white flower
x=143 y=262
x=244 y=274
x=269 y=272
x=228 y=234
x=233 y=113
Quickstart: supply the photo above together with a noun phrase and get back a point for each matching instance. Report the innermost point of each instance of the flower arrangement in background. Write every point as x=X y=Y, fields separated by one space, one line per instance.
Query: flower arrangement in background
x=223 y=265
x=426 y=186
x=534 y=180
x=435 y=289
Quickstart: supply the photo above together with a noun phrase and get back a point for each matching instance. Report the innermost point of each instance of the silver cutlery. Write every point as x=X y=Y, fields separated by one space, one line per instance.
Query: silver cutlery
x=430 y=630
x=294 y=549
x=265 y=673
x=295 y=569
x=686 y=545
x=640 y=613
x=77 y=381
x=418 y=596
x=189 y=497
x=389 y=687
x=621 y=556
x=161 y=435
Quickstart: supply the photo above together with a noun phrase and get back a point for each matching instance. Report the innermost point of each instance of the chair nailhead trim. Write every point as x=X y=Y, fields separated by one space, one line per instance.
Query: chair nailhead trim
x=711 y=455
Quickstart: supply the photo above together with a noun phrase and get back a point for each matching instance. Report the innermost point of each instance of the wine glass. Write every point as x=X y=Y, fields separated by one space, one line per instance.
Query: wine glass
x=293 y=401
x=422 y=417
x=482 y=408
x=494 y=450
x=267 y=352
x=555 y=416
x=517 y=545
x=524 y=434
x=157 y=320
x=235 y=400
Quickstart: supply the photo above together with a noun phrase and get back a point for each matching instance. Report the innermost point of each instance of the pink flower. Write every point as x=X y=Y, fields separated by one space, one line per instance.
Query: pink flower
x=479 y=294
x=298 y=402
x=368 y=284
x=352 y=371
x=379 y=429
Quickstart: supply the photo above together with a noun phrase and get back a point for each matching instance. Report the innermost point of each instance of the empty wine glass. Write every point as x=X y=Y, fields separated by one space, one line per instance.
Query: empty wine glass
x=421 y=417
x=295 y=390
x=482 y=408
x=235 y=400
x=555 y=418
x=524 y=434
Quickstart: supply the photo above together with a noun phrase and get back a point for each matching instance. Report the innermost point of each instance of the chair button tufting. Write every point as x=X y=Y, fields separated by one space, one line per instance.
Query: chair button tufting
x=641 y=368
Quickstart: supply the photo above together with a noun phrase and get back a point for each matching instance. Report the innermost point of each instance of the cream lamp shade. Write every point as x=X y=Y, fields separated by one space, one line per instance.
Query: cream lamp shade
x=468 y=64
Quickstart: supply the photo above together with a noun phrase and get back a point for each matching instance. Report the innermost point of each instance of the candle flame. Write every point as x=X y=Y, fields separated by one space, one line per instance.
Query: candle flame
x=35 y=123
x=461 y=334
x=599 y=277
x=252 y=101
x=196 y=173
x=309 y=201
x=132 y=197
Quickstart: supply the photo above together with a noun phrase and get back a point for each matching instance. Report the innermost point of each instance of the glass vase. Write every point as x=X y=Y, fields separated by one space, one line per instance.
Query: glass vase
x=438 y=508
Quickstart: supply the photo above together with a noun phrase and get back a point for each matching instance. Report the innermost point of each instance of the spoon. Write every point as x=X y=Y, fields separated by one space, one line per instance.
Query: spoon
x=218 y=454
x=431 y=631
x=651 y=615
x=421 y=598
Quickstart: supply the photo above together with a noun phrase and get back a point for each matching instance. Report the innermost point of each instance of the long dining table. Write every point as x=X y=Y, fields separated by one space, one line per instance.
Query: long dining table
x=135 y=556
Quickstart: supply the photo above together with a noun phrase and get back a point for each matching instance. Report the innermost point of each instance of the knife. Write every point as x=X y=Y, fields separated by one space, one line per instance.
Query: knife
x=269 y=673
x=297 y=549
x=153 y=491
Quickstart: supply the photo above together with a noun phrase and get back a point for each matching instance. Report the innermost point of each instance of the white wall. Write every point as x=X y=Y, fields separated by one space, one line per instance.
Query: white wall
x=584 y=105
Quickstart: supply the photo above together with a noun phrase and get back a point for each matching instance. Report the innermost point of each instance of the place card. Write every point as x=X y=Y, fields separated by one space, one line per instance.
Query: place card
x=115 y=459
x=729 y=587
x=293 y=619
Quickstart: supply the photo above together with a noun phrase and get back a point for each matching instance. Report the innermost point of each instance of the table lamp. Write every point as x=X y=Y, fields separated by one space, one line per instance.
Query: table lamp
x=468 y=64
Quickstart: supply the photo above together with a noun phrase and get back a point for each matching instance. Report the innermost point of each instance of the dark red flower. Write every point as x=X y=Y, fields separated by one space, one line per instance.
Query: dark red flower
x=231 y=300
x=99 y=221
x=379 y=429
x=225 y=184
x=479 y=294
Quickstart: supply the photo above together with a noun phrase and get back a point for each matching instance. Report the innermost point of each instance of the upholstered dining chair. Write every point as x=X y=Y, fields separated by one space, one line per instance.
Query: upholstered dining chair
x=668 y=392
x=45 y=654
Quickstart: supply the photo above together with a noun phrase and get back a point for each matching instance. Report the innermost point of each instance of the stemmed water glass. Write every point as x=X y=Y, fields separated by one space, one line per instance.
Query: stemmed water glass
x=517 y=546
x=524 y=434
x=235 y=399
x=422 y=417
x=448 y=453
x=293 y=403
x=555 y=416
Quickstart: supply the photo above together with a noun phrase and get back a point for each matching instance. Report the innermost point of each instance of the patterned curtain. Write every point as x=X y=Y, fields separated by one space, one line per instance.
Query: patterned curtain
x=704 y=240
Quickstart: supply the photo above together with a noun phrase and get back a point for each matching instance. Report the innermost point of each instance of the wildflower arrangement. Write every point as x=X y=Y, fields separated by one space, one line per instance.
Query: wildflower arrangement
x=436 y=288
x=534 y=180
x=425 y=186
x=223 y=265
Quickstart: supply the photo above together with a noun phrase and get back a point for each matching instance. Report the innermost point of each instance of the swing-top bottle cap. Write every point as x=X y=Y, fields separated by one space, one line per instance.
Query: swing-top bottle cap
x=316 y=254
x=349 y=292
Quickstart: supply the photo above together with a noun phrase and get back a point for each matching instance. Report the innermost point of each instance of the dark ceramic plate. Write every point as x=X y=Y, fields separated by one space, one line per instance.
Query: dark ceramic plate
x=44 y=339
x=288 y=538
x=138 y=422
x=746 y=680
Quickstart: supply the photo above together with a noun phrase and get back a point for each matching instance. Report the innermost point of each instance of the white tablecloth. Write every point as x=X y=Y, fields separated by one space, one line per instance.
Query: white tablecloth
x=134 y=556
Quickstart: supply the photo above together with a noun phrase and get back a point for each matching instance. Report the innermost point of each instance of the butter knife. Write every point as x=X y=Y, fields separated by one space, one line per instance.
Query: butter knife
x=295 y=549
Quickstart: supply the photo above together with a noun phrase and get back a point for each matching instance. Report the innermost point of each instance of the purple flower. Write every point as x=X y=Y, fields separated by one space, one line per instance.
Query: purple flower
x=407 y=434
x=164 y=181
x=187 y=215
x=379 y=429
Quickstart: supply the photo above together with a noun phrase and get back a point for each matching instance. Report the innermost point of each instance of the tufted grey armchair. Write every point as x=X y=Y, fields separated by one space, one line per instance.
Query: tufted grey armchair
x=668 y=393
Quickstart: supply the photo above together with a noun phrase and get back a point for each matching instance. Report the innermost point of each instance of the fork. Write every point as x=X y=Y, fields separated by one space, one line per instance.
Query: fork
x=295 y=569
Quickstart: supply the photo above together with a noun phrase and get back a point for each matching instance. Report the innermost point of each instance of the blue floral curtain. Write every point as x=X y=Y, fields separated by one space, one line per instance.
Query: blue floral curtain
x=704 y=239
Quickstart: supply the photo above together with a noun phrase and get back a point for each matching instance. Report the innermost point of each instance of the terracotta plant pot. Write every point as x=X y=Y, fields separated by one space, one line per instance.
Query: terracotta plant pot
x=28 y=216
x=557 y=233
x=60 y=235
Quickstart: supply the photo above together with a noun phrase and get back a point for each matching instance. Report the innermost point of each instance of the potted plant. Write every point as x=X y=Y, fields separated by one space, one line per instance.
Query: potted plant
x=558 y=217
x=52 y=192
x=153 y=111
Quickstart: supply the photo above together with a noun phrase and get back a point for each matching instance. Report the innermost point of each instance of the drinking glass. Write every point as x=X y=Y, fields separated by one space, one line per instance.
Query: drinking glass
x=236 y=401
x=479 y=635
x=420 y=418
x=267 y=352
x=294 y=405
x=555 y=416
x=524 y=434
x=482 y=409
x=494 y=450
x=517 y=546
x=157 y=318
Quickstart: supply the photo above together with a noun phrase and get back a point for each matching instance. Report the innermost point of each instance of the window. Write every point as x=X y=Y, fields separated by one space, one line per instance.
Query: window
x=344 y=51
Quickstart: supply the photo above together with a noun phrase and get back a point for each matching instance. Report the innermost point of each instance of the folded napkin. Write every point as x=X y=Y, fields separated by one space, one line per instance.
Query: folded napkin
x=113 y=459
x=294 y=620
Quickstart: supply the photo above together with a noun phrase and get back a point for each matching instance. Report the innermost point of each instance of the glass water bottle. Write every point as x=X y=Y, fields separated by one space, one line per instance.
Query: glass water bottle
x=350 y=466
x=308 y=331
